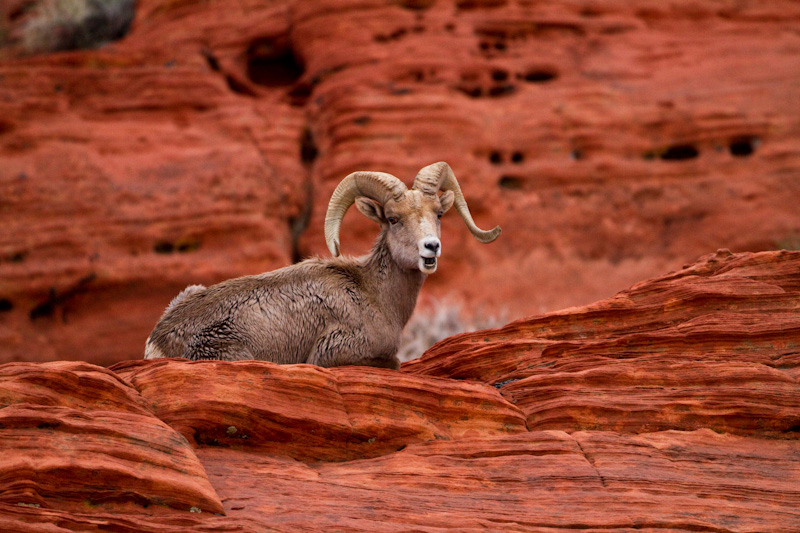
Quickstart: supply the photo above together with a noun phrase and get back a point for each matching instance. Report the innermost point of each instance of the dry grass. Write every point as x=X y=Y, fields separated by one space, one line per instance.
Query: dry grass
x=75 y=24
x=444 y=319
x=789 y=242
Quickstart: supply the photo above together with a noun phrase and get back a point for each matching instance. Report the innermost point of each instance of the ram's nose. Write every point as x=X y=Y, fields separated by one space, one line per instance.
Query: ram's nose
x=433 y=246
x=430 y=247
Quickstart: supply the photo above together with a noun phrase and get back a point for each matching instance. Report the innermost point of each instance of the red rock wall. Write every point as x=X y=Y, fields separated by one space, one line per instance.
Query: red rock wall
x=612 y=142
x=673 y=406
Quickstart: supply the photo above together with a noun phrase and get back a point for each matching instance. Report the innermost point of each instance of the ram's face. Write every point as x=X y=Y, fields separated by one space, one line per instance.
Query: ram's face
x=413 y=228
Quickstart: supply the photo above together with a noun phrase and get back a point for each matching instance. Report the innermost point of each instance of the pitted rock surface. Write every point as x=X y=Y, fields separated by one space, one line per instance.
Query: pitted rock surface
x=610 y=140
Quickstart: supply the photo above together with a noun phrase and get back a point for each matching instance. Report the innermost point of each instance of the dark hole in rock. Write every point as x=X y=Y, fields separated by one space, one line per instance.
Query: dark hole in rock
x=417 y=5
x=499 y=75
x=495 y=157
x=472 y=92
x=513 y=183
x=17 y=257
x=308 y=147
x=743 y=146
x=540 y=76
x=680 y=152
x=45 y=309
x=477 y=4
x=48 y=307
x=5 y=305
x=211 y=59
x=300 y=94
x=271 y=64
x=202 y=437
x=397 y=34
x=164 y=247
x=517 y=157
x=238 y=87
x=500 y=45
x=576 y=154
x=186 y=246
x=501 y=90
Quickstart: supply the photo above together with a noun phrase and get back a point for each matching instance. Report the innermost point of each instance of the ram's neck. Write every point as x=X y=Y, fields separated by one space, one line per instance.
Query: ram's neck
x=395 y=289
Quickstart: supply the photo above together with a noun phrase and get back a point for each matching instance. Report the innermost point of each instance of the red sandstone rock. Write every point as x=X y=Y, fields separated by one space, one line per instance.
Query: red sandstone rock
x=75 y=436
x=537 y=481
x=689 y=350
x=672 y=406
x=311 y=413
x=611 y=141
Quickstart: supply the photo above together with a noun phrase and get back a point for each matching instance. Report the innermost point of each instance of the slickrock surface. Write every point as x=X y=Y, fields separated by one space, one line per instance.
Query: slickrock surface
x=715 y=344
x=353 y=412
x=673 y=406
x=611 y=140
x=76 y=437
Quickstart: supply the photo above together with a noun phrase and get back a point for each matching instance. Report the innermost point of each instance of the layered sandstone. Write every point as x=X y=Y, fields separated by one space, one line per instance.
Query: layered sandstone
x=76 y=437
x=611 y=142
x=689 y=350
x=672 y=406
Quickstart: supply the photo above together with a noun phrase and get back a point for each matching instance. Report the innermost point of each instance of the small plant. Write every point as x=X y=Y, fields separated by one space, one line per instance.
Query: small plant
x=75 y=24
x=443 y=320
x=789 y=242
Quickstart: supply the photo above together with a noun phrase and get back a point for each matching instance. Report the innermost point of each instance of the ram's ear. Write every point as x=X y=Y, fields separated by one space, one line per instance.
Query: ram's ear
x=447 y=199
x=371 y=209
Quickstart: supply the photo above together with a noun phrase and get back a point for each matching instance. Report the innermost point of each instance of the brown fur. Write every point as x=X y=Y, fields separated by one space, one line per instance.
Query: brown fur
x=338 y=311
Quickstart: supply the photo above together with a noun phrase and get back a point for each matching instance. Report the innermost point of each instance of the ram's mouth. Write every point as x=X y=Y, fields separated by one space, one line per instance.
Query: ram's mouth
x=427 y=264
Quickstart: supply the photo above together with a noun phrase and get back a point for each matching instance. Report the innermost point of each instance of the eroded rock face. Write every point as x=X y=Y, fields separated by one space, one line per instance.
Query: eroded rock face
x=610 y=141
x=689 y=350
x=352 y=412
x=75 y=436
x=671 y=406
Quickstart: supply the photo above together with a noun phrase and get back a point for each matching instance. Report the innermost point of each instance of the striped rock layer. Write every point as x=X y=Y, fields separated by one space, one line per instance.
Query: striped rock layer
x=672 y=406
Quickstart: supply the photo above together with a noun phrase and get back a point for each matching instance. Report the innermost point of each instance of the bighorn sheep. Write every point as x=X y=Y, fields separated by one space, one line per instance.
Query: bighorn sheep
x=327 y=312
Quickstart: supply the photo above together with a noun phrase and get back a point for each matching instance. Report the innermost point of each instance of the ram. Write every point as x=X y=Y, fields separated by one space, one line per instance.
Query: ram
x=326 y=312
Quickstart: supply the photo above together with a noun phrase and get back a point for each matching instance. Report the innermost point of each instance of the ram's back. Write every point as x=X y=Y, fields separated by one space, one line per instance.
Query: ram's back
x=276 y=316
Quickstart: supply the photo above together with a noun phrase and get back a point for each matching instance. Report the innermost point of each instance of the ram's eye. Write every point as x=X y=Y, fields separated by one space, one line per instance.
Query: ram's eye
x=392 y=220
x=439 y=214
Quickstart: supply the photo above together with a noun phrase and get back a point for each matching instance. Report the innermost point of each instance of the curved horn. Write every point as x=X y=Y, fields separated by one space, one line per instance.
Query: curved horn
x=439 y=176
x=378 y=186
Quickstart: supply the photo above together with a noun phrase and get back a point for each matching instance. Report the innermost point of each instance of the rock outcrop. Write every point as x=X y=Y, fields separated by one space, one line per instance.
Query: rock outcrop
x=610 y=140
x=673 y=406
x=76 y=437
x=685 y=351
